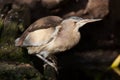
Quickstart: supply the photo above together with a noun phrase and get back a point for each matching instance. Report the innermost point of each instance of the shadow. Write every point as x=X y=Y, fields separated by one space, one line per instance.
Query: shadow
x=114 y=19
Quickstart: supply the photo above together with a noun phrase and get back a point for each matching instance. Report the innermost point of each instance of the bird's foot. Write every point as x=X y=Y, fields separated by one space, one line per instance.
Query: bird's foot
x=51 y=63
x=52 y=59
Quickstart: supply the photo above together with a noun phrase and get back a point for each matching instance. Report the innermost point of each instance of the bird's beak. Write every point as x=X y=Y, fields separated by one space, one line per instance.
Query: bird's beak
x=80 y=23
x=88 y=20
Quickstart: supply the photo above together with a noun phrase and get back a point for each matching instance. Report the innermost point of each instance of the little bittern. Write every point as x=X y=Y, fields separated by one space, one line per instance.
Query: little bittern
x=51 y=35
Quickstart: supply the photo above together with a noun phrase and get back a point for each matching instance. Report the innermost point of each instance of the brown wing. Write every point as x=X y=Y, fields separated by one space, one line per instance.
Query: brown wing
x=45 y=22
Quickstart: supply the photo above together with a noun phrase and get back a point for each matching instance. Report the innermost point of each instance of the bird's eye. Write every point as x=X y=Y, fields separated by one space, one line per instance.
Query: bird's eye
x=75 y=22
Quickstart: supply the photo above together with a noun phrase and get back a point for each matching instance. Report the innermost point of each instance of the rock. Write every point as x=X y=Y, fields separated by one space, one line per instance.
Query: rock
x=23 y=71
x=50 y=3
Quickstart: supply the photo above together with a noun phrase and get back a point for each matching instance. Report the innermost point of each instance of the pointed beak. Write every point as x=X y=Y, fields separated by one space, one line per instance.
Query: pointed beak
x=91 y=20
x=82 y=22
x=88 y=20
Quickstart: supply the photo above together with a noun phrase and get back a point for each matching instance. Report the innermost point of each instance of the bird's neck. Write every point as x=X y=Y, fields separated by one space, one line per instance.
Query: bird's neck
x=73 y=31
x=76 y=29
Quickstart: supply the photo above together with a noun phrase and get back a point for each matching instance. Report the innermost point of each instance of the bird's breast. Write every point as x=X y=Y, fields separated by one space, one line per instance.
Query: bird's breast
x=63 y=42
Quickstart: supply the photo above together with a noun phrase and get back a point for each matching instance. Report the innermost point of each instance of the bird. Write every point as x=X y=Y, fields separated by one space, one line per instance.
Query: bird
x=51 y=35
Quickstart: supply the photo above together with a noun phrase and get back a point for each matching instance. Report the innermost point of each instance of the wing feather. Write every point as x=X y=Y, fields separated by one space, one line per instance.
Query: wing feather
x=41 y=24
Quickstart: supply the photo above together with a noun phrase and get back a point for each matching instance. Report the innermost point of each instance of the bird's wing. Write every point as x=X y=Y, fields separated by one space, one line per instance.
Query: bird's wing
x=41 y=24
x=35 y=39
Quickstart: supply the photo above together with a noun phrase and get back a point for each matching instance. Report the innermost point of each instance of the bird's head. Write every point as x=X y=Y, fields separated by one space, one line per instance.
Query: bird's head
x=77 y=22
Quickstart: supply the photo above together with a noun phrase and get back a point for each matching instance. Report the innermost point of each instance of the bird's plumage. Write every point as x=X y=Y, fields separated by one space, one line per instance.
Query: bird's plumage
x=45 y=23
x=51 y=34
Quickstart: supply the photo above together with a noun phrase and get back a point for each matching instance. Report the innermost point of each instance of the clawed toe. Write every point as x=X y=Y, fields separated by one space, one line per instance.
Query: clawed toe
x=52 y=65
x=51 y=62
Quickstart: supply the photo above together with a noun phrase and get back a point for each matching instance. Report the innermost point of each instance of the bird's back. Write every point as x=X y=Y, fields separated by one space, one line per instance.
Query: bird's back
x=37 y=30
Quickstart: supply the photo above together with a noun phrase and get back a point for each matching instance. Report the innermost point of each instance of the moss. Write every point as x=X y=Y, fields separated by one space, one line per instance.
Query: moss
x=18 y=72
x=9 y=30
x=8 y=51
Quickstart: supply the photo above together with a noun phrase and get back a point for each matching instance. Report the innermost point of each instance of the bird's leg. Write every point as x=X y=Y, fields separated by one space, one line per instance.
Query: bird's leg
x=43 y=56
x=45 y=60
x=53 y=60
